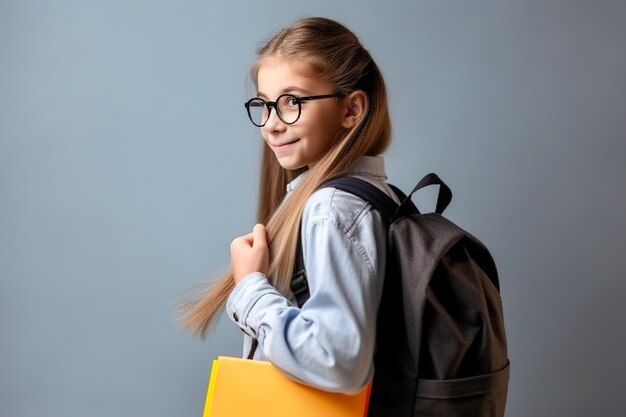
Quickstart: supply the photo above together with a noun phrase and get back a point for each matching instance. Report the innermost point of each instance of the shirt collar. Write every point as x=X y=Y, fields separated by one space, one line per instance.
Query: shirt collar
x=367 y=166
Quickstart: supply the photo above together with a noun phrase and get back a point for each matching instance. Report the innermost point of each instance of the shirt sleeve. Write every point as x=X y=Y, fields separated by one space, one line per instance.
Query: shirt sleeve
x=329 y=342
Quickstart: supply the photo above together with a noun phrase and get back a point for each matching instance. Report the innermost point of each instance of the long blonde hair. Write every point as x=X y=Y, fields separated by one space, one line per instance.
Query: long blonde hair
x=334 y=54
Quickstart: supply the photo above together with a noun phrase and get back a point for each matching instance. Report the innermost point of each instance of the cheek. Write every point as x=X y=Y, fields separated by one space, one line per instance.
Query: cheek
x=333 y=120
x=331 y=128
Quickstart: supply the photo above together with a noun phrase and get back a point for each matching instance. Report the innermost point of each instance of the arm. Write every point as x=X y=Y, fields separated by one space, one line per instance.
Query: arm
x=329 y=343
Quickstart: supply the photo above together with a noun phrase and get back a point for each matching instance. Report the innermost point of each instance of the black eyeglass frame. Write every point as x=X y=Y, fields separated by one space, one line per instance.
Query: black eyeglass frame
x=273 y=104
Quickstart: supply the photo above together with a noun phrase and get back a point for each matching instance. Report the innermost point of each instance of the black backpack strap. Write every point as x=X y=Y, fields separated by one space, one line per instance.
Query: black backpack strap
x=385 y=204
x=299 y=284
x=362 y=189
x=388 y=208
x=368 y=192
x=443 y=199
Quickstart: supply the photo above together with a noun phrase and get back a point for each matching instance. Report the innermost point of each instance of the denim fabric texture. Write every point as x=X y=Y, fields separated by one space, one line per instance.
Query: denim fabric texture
x=329 y=342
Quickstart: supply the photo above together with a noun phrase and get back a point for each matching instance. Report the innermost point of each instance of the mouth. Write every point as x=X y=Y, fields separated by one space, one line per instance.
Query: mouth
x=281 y=147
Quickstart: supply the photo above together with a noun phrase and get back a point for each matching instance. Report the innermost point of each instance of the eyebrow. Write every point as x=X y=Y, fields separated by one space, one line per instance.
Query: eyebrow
x=289 y=90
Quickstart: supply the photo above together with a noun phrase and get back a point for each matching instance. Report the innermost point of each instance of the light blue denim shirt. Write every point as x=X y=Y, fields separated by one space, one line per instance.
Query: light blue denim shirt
x=329 y=342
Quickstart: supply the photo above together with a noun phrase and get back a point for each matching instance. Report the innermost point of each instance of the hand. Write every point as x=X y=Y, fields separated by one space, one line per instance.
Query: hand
x=249 y=253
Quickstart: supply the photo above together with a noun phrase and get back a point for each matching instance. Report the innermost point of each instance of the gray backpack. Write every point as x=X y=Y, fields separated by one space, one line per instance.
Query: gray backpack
x=440 y=343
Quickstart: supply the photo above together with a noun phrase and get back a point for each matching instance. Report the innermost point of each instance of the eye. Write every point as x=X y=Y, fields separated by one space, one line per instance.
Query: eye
x=291 y=101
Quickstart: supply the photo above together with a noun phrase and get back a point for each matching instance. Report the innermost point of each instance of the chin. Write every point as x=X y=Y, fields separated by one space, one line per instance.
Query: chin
x=291 y=166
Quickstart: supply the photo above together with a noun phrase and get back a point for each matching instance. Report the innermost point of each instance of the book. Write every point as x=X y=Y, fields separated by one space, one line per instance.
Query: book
x=241 y=387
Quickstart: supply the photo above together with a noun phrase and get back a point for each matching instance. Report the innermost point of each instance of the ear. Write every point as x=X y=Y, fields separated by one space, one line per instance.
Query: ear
x=355 y=107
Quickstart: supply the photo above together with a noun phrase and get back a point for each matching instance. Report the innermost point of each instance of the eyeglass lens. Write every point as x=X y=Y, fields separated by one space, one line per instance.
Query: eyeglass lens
x=287 y=106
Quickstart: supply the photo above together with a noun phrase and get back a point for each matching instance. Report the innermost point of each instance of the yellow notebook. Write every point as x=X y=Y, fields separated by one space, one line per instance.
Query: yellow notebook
x=241 y=387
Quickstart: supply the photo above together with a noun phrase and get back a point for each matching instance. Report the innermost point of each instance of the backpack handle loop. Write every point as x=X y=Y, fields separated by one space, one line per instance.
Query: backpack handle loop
x=443 y=199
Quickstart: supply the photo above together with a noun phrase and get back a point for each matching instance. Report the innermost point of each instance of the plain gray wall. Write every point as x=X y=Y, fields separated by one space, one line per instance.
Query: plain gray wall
x=127 y=165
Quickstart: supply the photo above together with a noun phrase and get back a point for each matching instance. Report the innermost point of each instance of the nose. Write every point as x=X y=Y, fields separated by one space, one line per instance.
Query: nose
x=274 y=124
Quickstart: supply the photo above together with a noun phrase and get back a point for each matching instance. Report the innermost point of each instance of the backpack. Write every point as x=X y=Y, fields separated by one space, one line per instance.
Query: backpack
x=440 y=343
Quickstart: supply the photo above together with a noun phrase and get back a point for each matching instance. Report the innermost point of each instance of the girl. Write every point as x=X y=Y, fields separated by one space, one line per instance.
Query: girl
x=321 y=107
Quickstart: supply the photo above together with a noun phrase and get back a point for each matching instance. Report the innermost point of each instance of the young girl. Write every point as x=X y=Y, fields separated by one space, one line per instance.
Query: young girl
x=321 y=107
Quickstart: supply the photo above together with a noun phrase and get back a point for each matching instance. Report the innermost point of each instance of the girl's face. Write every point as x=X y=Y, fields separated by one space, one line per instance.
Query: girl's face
x=311 y=136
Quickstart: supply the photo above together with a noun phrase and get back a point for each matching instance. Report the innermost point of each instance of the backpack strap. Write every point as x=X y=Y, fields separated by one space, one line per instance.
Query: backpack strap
x=443 y=199
x=299 y=284
x=387 y=207
x=370 y=193
x=385 y=204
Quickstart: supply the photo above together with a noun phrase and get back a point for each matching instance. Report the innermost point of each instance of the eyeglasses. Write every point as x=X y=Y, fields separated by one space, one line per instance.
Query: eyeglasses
x=288 y=108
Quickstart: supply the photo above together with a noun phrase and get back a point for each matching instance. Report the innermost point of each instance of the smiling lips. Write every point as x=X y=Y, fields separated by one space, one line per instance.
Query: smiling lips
x=283 y=146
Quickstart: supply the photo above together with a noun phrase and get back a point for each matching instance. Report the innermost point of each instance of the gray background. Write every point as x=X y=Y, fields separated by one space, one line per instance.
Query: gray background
x=127 y=165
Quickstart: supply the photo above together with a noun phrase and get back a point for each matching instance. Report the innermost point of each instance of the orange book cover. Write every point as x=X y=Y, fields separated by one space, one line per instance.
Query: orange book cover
x=242 y=387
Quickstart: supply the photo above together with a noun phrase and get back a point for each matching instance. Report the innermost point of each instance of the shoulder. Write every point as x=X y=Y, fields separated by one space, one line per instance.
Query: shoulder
x=330 y=205
x=339 y=225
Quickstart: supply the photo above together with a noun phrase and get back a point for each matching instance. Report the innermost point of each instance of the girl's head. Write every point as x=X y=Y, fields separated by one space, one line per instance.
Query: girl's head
x=318 y=56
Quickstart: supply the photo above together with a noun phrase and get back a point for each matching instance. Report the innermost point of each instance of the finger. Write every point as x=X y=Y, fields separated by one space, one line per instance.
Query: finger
x=259 y=234
x=245 y=240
